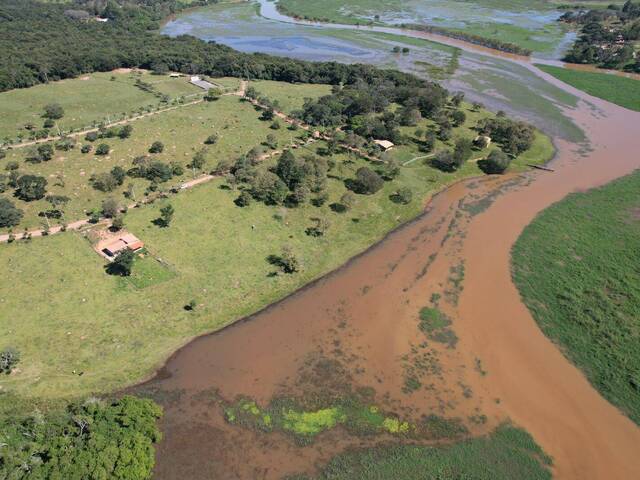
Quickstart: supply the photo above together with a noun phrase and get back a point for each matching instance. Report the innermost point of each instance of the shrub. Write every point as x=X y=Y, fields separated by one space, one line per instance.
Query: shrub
x=45 y=152
x=404 y=196
x=443 y=160
x=53 y=111
x=110 y=207
x=496 y=162
x=122 y=264
x=9 y=358
x=367 y=181
x=12 y=165
x=211 y=139
x=156 y=147
x=86 y=148
x=213 y=94
x=31 y=187
x=125 y=131
x=244 y=199
x=103 y=149
x=91 y=136
x=462 y=151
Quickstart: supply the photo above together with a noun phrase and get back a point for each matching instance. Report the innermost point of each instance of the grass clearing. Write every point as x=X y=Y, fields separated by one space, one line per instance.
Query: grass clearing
x=290 y=97
x=148 y=271
x=577 y=270
x=90 y=98
x=505 y=454
x=183 y=131
x=617 y=89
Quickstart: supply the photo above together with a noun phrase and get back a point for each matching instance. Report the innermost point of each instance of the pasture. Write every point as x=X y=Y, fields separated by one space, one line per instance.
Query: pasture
x=94 y=97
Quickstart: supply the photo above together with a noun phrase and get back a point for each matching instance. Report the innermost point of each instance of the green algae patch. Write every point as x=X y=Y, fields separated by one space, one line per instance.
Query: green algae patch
x=312 y=423
x=305 y=422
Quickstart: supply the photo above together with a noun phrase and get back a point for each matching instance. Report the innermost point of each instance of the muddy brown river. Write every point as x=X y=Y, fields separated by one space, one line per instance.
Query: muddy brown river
x=358 y=328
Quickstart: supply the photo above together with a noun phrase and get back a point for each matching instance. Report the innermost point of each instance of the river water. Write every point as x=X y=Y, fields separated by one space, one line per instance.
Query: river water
x=362 y=319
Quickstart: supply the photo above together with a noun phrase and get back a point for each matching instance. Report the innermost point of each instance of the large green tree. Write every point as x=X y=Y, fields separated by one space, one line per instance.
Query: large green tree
x=10 y=215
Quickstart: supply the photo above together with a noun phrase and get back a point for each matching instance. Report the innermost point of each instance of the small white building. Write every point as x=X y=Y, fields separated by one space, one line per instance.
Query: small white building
x=385 y=145
x=198 y=82
x=482 y=141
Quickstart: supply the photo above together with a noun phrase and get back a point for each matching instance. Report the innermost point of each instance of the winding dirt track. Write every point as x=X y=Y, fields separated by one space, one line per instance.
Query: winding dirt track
x=364 y=315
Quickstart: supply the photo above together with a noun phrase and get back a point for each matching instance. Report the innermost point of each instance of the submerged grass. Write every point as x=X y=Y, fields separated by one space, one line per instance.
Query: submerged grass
x=506 y=454
x=577 y=269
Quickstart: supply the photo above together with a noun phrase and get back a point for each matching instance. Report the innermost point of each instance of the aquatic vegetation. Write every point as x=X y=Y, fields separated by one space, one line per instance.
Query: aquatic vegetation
x=290 y=416
x=432 y=319
x=435 y=325
x=312 y=423
x=505 y=454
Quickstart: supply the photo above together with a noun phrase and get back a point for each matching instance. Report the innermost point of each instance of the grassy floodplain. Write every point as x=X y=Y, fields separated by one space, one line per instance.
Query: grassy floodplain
x=576 y=267
x=215 y=254
x=617 y=89
x=478 y=17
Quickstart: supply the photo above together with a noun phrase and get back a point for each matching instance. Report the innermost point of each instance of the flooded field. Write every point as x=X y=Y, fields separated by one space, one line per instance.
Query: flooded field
x=423 y=330
x=483 y=75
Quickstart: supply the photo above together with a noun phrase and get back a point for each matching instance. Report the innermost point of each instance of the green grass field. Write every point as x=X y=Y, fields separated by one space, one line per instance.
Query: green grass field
x=91 y=98
x=281 y=92
x=576 y=267
x=620 y=90
x=182 y=131
x=508 y=453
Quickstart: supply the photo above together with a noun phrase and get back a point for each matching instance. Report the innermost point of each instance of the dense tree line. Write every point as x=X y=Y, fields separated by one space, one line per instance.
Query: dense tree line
x=93 y=439
x=494 y=43
x=40 y=43
x=606 y=37
x=362 y=107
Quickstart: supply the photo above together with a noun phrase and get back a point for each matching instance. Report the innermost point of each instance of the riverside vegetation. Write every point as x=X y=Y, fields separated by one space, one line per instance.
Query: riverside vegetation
x=578 y=276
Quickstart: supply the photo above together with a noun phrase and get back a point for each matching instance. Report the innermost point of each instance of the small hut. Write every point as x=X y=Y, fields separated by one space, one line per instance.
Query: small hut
x=385 y=145
x=482 y=141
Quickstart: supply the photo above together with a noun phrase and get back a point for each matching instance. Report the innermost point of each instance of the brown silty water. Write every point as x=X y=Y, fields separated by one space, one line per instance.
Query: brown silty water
x=363 y=321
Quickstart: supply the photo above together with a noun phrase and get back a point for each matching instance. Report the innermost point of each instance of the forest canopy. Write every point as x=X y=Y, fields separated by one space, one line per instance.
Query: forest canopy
x=44 y=42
